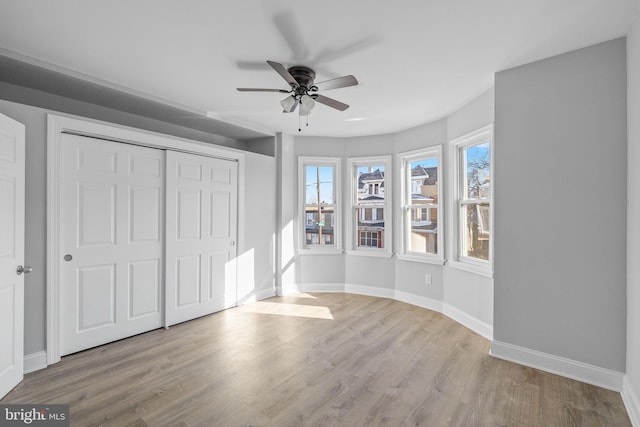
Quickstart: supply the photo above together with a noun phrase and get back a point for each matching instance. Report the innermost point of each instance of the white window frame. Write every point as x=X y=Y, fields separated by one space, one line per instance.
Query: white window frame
x=460 y=261
x=351 y=223
x=404 y=226
x=303 y=248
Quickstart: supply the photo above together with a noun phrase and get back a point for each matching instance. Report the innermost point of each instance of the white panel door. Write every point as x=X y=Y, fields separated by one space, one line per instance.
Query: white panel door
x=12 y=151
x=202 y=198
x=112 y=235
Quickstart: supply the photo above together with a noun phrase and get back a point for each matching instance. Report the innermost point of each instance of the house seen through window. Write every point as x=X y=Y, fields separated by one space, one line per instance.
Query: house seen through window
x=421 y=205
x=370 y=205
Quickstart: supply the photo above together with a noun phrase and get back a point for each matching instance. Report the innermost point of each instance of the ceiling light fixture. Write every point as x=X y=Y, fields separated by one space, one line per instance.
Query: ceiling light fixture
x=287 y=103
x=307 y=102
x=303 y=111
x=300 y=96
x=306 y=105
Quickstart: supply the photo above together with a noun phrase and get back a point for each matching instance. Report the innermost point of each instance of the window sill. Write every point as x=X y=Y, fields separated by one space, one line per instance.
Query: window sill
x=422 y=259
x=376 y=254
x=333 y=251
x=480 y=271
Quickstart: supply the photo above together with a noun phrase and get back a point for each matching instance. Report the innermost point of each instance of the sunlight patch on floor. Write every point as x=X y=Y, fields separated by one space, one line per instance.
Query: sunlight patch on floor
x=284 y=309
x=302 y=295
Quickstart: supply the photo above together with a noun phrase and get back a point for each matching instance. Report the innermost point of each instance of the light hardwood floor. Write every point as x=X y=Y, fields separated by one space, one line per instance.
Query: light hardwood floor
x=313 y=360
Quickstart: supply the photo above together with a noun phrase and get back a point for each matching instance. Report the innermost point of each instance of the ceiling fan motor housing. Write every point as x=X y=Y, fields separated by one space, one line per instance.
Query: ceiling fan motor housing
x=304 y=76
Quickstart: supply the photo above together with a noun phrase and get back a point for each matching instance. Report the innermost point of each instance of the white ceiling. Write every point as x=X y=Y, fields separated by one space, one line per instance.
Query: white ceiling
x=416 y=60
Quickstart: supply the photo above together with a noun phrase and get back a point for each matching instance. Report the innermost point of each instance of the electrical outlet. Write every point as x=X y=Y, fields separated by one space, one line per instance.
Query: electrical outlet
x=427 y=279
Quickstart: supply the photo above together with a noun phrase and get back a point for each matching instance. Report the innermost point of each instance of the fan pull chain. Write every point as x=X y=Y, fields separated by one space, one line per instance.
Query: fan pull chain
x=299 y=127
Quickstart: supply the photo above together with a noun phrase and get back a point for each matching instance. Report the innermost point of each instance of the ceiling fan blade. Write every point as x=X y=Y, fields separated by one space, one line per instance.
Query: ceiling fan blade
x=253 y=89
x=292 y=34
x=252 y=65
x=344 y=81
x=283 y=72
x=330 y=102
x=329 y=55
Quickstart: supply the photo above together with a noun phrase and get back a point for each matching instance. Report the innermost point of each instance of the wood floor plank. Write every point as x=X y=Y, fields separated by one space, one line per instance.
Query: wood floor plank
x=313 y=360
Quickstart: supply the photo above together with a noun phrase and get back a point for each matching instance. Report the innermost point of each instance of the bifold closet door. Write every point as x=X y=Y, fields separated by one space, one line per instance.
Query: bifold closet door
x=201 y=231
x=112 y=212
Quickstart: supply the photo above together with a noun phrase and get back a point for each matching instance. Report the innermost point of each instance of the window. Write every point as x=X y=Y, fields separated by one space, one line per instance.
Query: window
x=369 y=239
x=422 y=230
x=473 y=153
x=370 y=189
x=318 y=180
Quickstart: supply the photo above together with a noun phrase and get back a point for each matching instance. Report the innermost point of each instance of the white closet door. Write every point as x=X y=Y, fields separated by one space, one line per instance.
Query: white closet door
x=111 y=240
x=12 y=152
x=200 y=236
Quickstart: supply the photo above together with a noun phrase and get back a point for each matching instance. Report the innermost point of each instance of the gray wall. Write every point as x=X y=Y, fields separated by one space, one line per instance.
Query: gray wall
x=468 y=292
x=633 y=211
x=560 y=205
x=318 y=268
x=410 y=276
x=264 y=146
x=34 y=119
x=363 y=270
x=477 y=113
x=286 y=234
x=256 y=261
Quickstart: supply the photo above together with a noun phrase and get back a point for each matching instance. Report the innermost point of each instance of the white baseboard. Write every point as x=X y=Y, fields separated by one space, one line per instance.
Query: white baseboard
x=590 y=374
x=631 y=402
x=371 y=291
x=476 y=325
x=35 y=361
x=413 y=299
x=320 y=287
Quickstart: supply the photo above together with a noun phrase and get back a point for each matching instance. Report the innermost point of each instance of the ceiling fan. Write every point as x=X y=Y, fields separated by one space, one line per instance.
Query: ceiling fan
x=303 y=90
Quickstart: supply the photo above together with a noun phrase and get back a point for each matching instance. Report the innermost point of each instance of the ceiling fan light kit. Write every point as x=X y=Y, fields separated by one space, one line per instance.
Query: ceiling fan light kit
x=307 y=102
x=287 y=104
x=303 y=90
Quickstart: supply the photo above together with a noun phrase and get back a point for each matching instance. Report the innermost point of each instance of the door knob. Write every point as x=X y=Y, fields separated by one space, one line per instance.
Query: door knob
x=68 y=257
x=26 y=269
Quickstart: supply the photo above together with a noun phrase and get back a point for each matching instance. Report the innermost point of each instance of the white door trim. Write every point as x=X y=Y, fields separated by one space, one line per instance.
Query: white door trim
x=59 y=124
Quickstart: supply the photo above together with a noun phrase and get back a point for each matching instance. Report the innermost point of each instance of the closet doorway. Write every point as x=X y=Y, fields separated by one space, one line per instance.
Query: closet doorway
x=146 y=234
